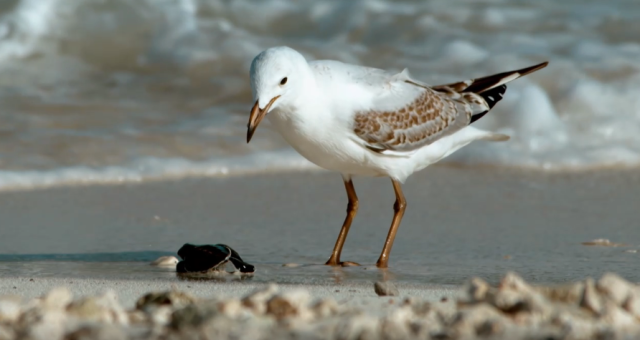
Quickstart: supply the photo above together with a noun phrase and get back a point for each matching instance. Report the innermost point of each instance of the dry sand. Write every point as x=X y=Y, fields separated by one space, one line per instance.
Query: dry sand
x=608 y=308
x=129 y=291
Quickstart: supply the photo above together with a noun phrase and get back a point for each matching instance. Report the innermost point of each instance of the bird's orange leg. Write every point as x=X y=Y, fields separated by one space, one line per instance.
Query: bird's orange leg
x=352 y=209
x=398 y=208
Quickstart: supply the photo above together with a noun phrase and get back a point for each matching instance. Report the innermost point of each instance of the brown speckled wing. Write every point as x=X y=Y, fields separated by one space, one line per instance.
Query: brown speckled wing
x=436 y=112
x=431 y=116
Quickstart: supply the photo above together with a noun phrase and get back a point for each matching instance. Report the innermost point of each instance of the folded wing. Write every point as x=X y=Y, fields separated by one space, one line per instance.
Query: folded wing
x=422 y=114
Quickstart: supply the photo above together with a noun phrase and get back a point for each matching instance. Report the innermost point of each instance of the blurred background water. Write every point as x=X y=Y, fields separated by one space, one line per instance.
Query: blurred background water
x=127 y=90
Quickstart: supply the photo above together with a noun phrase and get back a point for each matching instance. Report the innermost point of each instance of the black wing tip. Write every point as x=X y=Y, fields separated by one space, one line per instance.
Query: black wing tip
x=482 y=84
x=478 y=116
x=494 y=95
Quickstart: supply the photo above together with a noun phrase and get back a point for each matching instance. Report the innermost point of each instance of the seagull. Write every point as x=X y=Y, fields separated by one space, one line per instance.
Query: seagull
x=364 y=121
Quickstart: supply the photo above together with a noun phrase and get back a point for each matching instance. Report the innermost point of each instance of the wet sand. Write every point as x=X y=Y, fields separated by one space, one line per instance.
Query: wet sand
x=128 y=291
x=460 y=222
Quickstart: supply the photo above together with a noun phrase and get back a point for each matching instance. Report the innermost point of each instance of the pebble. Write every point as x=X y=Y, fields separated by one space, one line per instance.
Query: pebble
x=165 y=261
x=171 y=298
x=482 y=319
x=603 y=242
x=231 y=308
x=477 y=289
x=57 y=298
x=93 y=332
x=615 y=288
x=513 y=309
x=46 y=325
x=632 y=305
x=385 y=288
x=9 y=309
x=104 y=309
x=591 y=300
x=194 y=315
x=7 y=332
x=160 y=315
x=280 y=307
x=325 y=308
x=137 y=317
x=566 y=293
x=257 y=300
x=290 y=304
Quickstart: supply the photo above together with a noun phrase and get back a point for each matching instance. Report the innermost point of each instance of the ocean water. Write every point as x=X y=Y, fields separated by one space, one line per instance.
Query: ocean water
x=128 y=90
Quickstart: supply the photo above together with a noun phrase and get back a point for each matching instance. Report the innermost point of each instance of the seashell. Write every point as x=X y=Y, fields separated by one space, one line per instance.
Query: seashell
x=165 y=261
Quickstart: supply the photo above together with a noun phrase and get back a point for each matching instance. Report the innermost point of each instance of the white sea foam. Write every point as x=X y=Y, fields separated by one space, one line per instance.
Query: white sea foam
x=149 y=169
x=101 y=92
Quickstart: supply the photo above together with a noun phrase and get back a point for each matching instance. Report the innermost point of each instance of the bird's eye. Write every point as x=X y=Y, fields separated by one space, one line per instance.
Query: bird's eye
x=283 y=81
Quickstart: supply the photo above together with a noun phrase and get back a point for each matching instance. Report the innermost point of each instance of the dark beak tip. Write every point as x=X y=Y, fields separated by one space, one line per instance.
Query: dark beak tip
x=249 y=133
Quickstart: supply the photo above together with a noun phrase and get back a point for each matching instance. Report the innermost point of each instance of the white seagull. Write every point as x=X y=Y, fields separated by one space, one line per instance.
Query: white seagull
x=363 y=121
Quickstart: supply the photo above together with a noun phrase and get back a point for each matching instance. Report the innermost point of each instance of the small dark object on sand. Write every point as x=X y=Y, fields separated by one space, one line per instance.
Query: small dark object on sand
x=385 y=288
x=205 y=258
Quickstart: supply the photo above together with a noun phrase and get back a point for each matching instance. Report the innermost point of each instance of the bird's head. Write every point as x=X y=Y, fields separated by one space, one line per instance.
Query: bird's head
x=276 y=78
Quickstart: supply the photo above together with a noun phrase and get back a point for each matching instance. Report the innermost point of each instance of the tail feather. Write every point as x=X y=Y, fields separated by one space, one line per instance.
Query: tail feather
x=480 y=85
x=490 y=88
x=487 y=83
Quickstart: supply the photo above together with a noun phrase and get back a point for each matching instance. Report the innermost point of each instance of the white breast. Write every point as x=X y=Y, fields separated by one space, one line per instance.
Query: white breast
x=323 y=142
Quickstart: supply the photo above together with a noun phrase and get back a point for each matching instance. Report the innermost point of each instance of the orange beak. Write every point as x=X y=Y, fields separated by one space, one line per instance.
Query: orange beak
x=256 y=117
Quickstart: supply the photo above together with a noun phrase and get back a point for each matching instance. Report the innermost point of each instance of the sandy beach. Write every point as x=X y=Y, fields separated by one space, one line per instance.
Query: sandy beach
x=124 y=137
x=55 y=308
x=461 y=223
